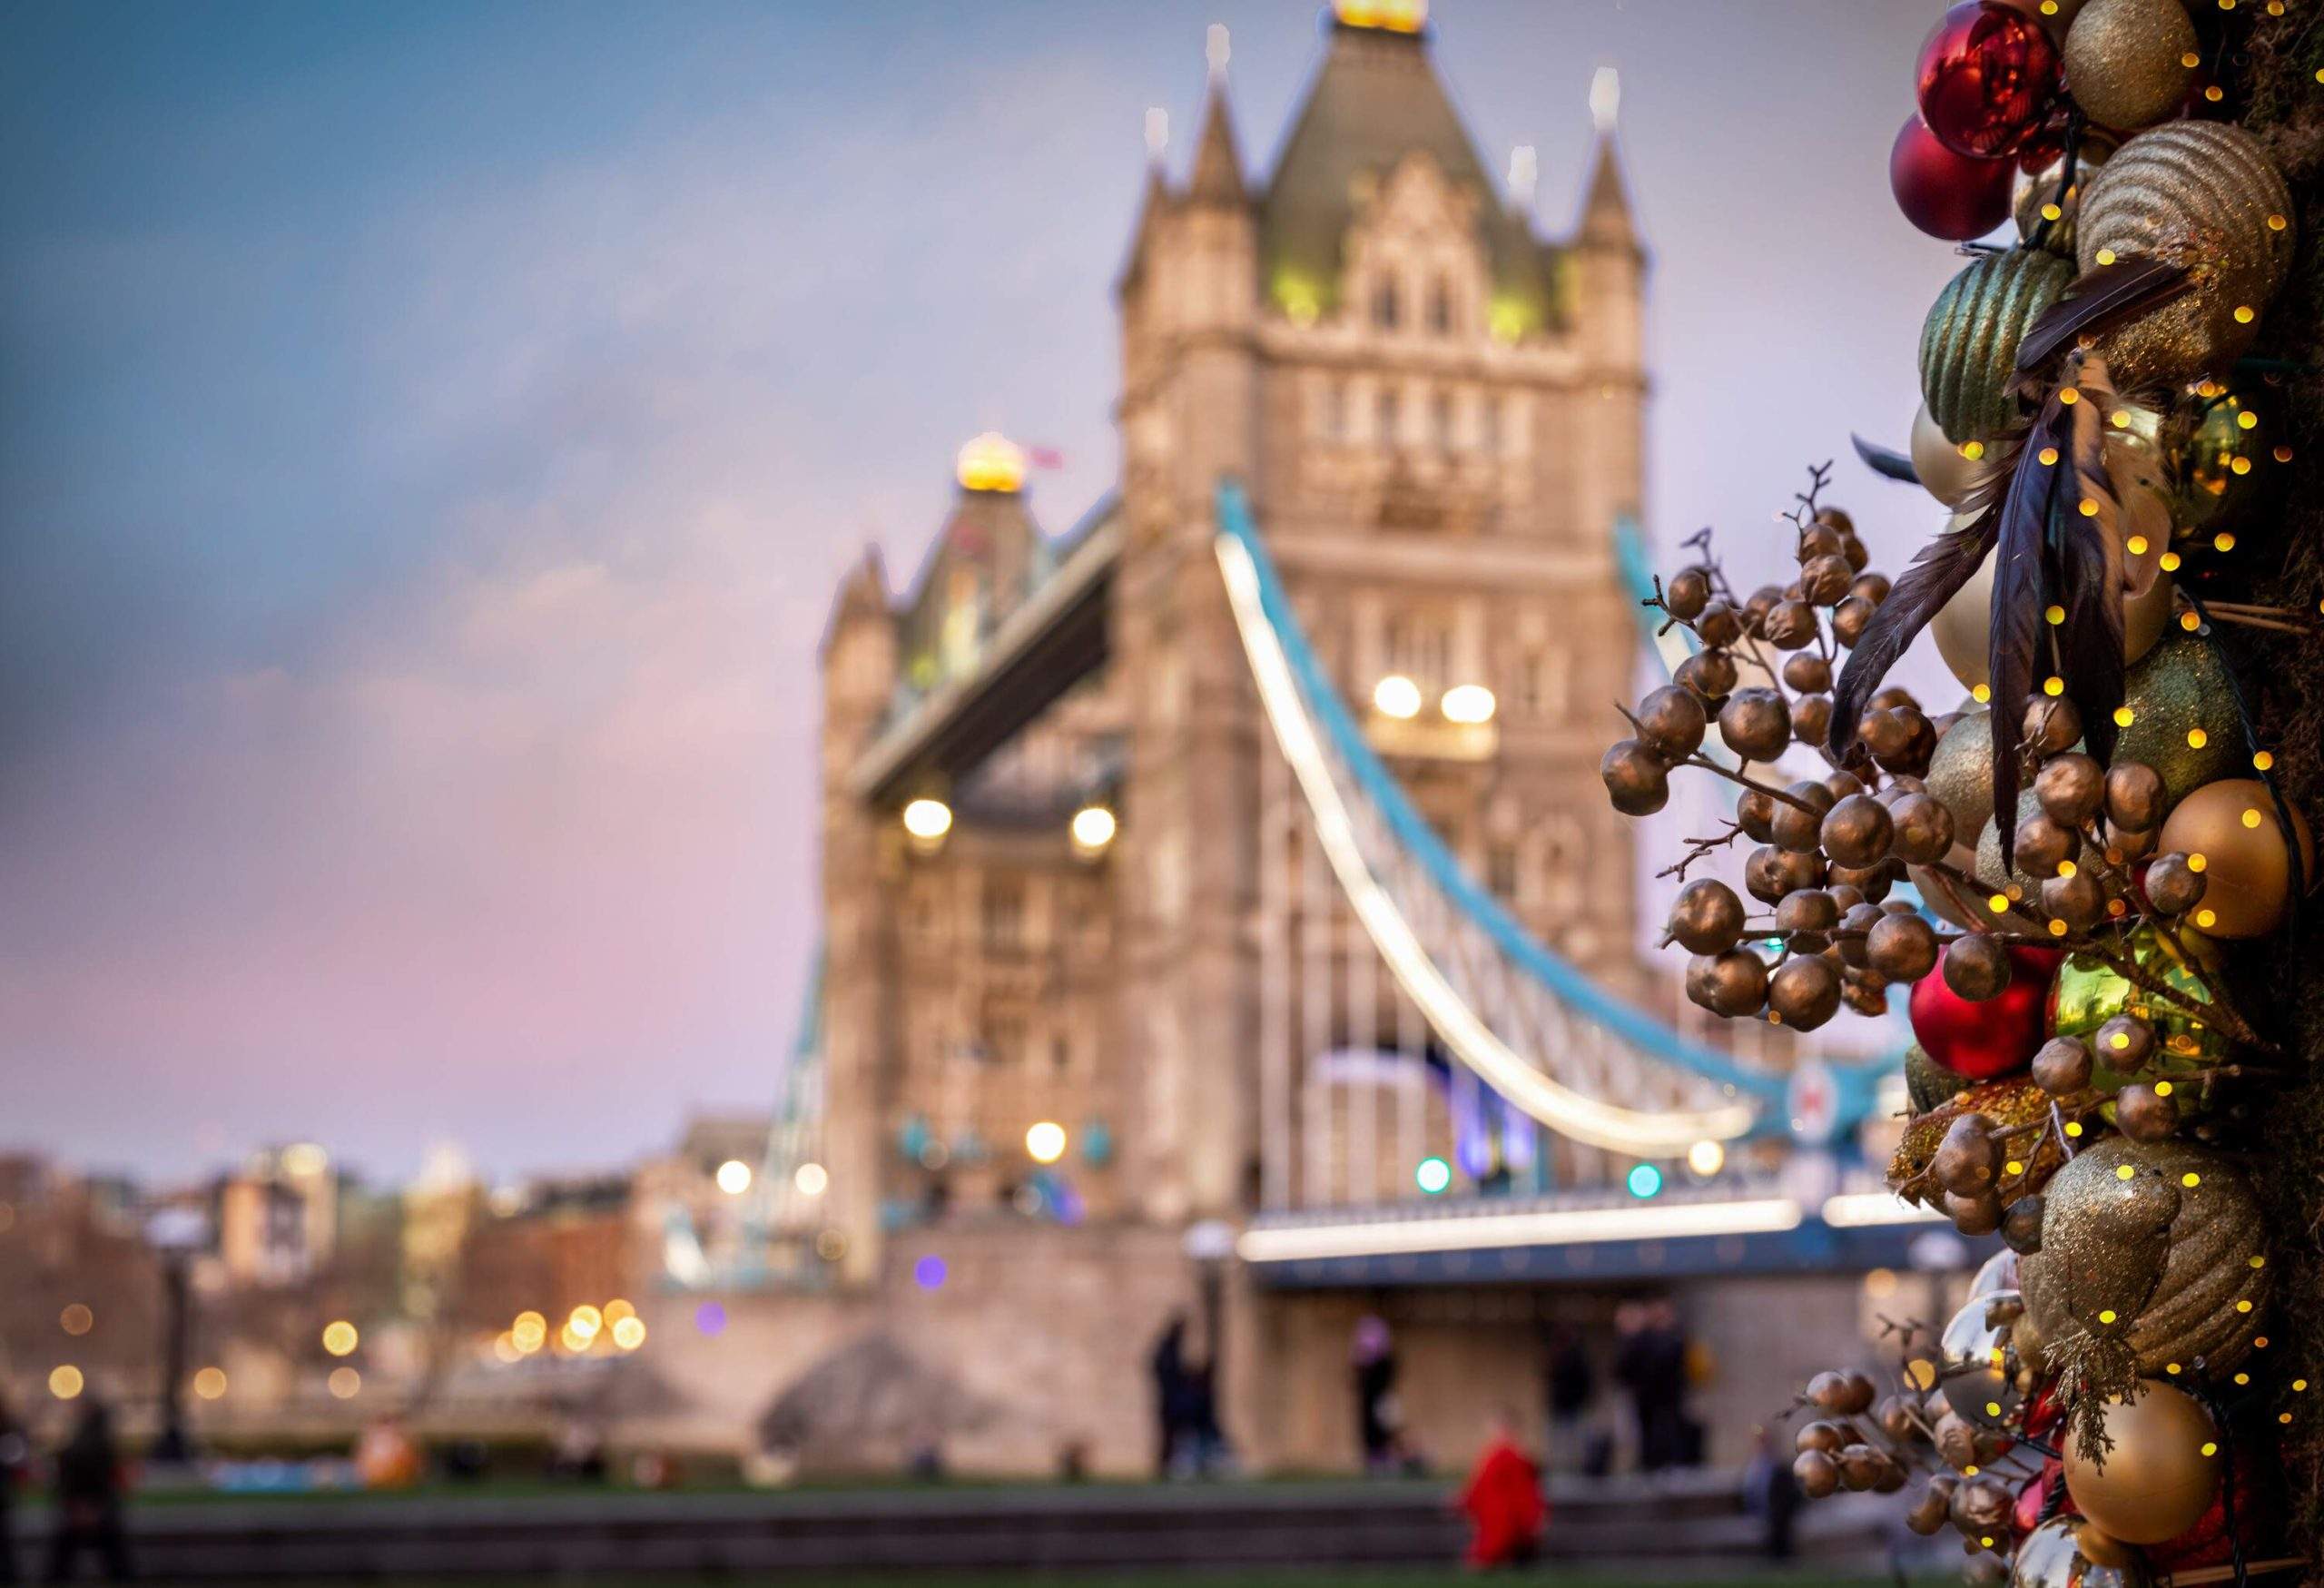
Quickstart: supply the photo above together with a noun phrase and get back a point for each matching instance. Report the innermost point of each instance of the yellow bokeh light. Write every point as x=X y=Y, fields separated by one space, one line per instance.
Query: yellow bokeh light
x=210 y=1383
x=65 y=1382
x=1093 y=828
x=1397 y=697
x=530 y=1333
x=629 y=1332
x=584 y=1323
x=928 y=820
x=617 y=1309
x=1045 y=1141
x=340 y=1338
x=344 y=1384
x=504 y=1348
x=1706 y=1158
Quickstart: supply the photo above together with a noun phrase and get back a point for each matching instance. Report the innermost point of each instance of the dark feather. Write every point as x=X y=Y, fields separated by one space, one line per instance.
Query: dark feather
x=1942 y=567
x=2129 y=286
x=2022 y=574
x=1885 y=463
x=2090 y=567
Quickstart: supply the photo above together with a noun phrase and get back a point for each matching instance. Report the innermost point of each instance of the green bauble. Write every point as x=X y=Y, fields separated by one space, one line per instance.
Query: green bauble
x=2180 y=688
x=1969 y=342
x=1927 y=1082
x=2211 y=493
x=2087 y=993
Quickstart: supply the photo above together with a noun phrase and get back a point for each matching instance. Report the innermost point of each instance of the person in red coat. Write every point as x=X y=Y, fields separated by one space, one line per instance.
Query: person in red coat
x=1502 y=1501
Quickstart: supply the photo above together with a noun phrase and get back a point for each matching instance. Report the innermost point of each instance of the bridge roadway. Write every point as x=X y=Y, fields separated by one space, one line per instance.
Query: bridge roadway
x=1690 y=1521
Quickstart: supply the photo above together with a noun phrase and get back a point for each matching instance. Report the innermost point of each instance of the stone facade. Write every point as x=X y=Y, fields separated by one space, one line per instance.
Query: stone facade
x=1439 y=416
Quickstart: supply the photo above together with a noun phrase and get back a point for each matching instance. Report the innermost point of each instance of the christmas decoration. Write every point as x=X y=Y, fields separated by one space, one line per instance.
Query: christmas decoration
x=2109 y=860
x=2129 y=62
x=2249 y=867
x=1988 y=1036
x=2202 y=195
x=2160 y=1468
x=1986 y=77
x=1948 y=196
x=1969 y=342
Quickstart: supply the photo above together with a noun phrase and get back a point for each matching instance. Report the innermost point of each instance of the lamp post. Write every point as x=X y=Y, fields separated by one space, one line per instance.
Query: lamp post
x=175 y=1234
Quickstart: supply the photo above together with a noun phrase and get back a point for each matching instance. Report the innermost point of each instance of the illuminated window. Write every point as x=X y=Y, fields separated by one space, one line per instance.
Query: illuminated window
x=1384 y=308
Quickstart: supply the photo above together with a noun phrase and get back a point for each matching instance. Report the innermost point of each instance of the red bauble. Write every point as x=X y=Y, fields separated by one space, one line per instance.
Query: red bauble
x=1981 y=1042
x=1946 y=194
x=1986 y=77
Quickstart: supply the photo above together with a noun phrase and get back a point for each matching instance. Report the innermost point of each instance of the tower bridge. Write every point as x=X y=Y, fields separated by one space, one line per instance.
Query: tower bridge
x=1220 y=902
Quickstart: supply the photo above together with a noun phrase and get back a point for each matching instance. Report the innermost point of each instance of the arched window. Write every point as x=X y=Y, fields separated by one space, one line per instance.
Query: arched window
x=1440 y=307
x=1383 y=302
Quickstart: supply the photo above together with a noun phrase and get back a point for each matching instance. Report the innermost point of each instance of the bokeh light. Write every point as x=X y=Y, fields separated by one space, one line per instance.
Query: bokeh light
x=65 y=1382
x=1433 y=1175
x=733 y=1177
x=710 y=1318
x=812 y=1180
x=345 y=1384
x=1705 y=1159
x=629 y=1332
x=930 y=1272
x=584 y=1323
x=340 y=1338
x=530 y=1333
x=1645 y=1180
x=1045 y=1141
x=76 y=1319
x=210 y=1383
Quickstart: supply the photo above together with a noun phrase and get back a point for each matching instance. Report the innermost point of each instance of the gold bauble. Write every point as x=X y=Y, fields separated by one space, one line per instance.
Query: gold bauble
x=2180 y=688
x=1945 y=473
x=2247 y=863
x=2052 y=1556
x=1961 y=773
x=2202 y=194
x=2160 y=1475
x=1963 y=626
x=2126 y=61
x=1969 y=342
x=2152 y=1263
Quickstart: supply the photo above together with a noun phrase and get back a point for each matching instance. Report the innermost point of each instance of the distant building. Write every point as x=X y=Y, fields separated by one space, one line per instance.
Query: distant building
x=276 y=1220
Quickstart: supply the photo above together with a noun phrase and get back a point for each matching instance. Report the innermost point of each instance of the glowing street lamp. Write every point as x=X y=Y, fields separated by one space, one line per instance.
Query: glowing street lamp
x=1045 y=1142
x=928 y=820
x=1470 y=705
x=1396 y=697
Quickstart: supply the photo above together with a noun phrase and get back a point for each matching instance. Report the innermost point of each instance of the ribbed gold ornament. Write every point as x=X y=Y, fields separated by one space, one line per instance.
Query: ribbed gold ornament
x=2126 y=61
x=2202 y=194
x=1969 y=342
x=2158 y=1261
x=2180 y=693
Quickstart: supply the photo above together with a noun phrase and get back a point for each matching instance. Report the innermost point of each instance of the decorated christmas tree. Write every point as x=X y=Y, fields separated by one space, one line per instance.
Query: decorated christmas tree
x=2087 y=873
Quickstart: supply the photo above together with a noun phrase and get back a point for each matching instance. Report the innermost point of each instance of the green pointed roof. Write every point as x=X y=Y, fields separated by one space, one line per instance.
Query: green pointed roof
x=1377 y=100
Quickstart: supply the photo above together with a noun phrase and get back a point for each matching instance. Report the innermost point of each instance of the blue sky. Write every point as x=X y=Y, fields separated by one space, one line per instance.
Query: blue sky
x=428 y=434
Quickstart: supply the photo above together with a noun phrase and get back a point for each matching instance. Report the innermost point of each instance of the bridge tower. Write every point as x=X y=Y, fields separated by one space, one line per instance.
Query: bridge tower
x=1439 y=416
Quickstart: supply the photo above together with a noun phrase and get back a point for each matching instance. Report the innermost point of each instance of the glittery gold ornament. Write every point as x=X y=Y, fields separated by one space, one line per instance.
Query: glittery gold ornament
x=2153 y=1474
x=2046 y=204
x=2088 y=993
x=1969 y=342
x=2015 y=1101
x=2050 y=1556
x=2142 y=1273
x=1961 y=771
x=2126 y=61
x=1927 y=1083
x=2204 y=194
x=2246 y=865
x=1946 y=472
x=2182 y=722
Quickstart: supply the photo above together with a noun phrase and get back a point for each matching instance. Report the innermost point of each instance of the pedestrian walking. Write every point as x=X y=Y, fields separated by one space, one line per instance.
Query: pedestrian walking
x=1502 y=1500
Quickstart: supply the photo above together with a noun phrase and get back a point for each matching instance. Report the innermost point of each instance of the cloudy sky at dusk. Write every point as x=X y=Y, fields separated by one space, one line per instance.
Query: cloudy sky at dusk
x=428 y=433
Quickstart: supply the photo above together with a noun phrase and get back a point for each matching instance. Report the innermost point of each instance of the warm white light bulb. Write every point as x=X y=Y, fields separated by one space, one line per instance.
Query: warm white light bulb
x=1468 y=703
x=1093 y=827
x=928 y=820
x=1397 y=697
x=1045 y=1141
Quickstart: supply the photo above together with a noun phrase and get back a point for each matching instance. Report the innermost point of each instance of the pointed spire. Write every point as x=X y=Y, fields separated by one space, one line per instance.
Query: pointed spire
x=1606 y=218
x=1217 y=177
